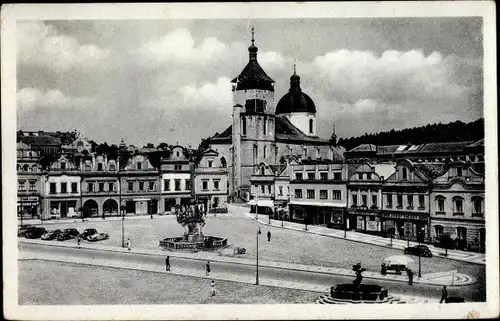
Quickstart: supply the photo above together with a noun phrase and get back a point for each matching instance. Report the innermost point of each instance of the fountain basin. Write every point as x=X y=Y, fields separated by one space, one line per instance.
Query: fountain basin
x=205 y=243
x=362 y=293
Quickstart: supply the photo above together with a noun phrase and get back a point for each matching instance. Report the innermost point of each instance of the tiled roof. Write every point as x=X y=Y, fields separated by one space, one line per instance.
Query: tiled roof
x=444 y=147
x=479 y=143
x=364 y=148
x=39 y=140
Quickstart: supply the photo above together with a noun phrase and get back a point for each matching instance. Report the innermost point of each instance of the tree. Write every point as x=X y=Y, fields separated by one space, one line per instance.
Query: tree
x=47 y=160
x=163 y=146
x=149 y=145
x=156 y=157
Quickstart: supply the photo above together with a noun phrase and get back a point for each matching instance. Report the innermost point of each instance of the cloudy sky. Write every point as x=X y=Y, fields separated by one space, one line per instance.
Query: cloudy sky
x=153 y=81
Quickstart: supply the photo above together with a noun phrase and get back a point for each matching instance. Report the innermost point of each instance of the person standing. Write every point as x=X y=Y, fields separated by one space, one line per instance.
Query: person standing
x=444 y=294
x=167 y=263
x=78 y=241
x=128 y=243
x=213 y=288
x=269 y=236
x=384 y=269
x=207 y=268
x=410 y=276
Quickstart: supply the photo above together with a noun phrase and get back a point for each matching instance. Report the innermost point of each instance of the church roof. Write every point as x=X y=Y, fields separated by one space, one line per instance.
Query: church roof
x=253 y=76
x=295 y=100
x=285 y=132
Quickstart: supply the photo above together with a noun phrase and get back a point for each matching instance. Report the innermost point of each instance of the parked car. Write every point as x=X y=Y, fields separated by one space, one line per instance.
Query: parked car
x=97 y=237
x=50 y=235
x=68 y=233
x=88 y=232
x=37 y=232
x=23 y=229
x=419 y=250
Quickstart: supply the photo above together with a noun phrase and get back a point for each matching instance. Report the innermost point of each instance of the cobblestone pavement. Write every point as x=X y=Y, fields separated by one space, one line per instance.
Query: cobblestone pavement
x=478 y=258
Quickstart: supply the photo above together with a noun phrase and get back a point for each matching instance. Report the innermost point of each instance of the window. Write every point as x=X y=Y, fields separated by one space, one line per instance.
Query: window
x=210 y=163
x=477 y=206
x=204 y=185
x=63 y=165
x=216 y=184
x=262 y=189
x=100 y=167
x=177 y=167
x=310 y=194
x=111 y=187
x=311 y=126
x=389 y=200
x=215 y=202
x=265 y=152
x=363 y=200
x=20 y=185
x=360 y=176
x=188 y=184
x=244 y=125
x=440 y=204
x=323 y=175
x=336 y=195
x=74 y=187
x=281 y=190
x=354 y=200
x=459 y=205
x=399 y=199
x=26 y=168
x=369 y=176
x=139 y=165
x=177 y=184
x=141 y=186
x=166 y=184
x=255 y=105
x=305 y=152
x=459 y=171
x=52 y=188
x=177 y=154
x=439 y=230
x=298 y=176
x=269 y=189
x=421 y=202
x=311 y=176
x=337 y=176
x=151 y=186
x=90 y=187
x=323 y=194
x=409 y=198
x=88 y=168
x=374 y=201
x=461 y=233
x=405 y=173
x=223 y=162
x=112 y=167
x=264 y=127
x=32 y=185
x=101 y=187
x=298 y=193
x=130 y=186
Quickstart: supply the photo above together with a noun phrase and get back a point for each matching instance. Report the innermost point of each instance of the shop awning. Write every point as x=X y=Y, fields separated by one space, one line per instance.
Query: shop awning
x=264 y=203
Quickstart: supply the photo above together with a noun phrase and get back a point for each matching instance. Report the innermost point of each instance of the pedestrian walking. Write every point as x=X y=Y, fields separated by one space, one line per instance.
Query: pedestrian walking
x=78 y=241
x=128 y=243
x=207 y=268
x=383 y=271
x=444 y=294
x=167 y=263
x=409 y=272
x=213 y=288
x=269 y=236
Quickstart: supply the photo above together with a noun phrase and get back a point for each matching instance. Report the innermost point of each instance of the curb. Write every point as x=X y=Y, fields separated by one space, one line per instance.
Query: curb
x=353 y=240
x=375 y=277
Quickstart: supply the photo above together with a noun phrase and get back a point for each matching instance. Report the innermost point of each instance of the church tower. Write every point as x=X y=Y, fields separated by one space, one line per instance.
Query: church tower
x=253 y=130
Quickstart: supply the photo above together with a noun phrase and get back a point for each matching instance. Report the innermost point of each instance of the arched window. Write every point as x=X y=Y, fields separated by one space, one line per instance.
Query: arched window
x=88 y=167
x=317 y=152
x=458 y=205
x=440 y=204
x=439 y=230
x=34 y=168
x=262 y=170
x=311 y=126
x=477 y=205
x=19 y=168
x=461 y=233
x=112 y=167
x=265 y=126
x=244 y=125
x=26 y=168
x=223 y=162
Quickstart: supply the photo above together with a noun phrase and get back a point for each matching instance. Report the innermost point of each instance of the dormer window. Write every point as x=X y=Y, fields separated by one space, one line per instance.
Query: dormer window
x=139 y=165
x=112 y=167
x=311 y=126
x=405 y=173
x=177 y=153
x=459 y=171
x=99 y=167
x=210 y=163
x=262 y=170
x=63 y=165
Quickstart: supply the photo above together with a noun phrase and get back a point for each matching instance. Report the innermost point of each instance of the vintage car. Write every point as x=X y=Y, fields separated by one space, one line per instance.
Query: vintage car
x=68 y=233
x=97 y=237
x=419 y=250
x=37 y=232
x=51 y=235
x=23 y=229
x=88 y=232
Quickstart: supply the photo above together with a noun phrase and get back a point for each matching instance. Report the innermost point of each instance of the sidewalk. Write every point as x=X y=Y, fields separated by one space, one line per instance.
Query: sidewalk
x=439 y=278
x=92 y=219
x=471 y=257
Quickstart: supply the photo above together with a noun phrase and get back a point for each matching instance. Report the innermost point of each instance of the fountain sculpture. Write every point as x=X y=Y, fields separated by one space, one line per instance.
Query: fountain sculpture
x=191 y=218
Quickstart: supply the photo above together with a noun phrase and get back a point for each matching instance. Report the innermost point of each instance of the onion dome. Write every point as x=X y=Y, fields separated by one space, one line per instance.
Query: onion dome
x=295 y=100
x=253 y=76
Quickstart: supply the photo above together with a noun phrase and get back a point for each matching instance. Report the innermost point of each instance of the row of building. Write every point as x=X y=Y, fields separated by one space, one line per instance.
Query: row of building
x=102 y=186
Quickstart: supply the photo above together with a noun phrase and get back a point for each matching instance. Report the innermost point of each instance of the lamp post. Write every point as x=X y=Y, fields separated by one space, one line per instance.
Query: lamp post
x=282 y=213
x=419 y=255
x=345 y=223
x=257 y=263
x=256 y=207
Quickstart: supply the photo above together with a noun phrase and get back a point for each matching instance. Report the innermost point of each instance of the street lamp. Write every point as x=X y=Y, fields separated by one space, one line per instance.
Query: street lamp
x=419 y=255
x=345 y=224
x=282 y=213
x=257 y=264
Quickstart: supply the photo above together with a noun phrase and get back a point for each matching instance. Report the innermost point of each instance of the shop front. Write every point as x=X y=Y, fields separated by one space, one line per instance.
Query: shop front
x=28 y=206
x=406 y=225
x=63 y=209
x=329 y=216
x=368 y=221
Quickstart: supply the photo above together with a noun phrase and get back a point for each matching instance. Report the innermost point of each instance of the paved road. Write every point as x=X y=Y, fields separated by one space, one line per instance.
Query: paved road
x=227 y=270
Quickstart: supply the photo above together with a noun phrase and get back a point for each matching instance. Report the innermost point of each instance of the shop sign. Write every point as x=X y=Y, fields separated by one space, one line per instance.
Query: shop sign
x=28 y=199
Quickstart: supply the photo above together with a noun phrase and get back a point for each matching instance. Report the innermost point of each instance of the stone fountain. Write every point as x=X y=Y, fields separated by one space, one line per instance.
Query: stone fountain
x=356 y=292
x=191 y=218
